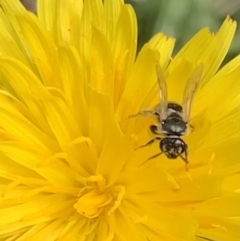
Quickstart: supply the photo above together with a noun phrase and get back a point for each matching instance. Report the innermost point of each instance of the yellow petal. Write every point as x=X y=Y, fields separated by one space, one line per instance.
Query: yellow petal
x=56 y=171
x=76 y=230
x=21 y=129
x=112 y=11
x=144 y=77
x=14 y=104
x=49 y=232
x=225 y=130
x=223 y=86
x=42 y=50
x=124 y=48
x=219 y=229
x=61 y=121
x=225 y=206
x=24 y=85
x=107 y=137
x=111 y=162
x=177 y=79
x=140 y=82
x=104 y=230
x=32 y=212
x=226 y=69
x=102 y=72
x=46 y=13
x=12 y=7
x=82 y=156
x=209 y=49
x=62 y=19
x=101 y=119
x=126 y=228
x=168 y=223
x=164 y=45
x=28 y=232
x=74 y=93
x=94 y=13
x=8 y=44
x=12 y=69
x=159 y=188
x=231 y=183
x=13 y=171
x=226 y=160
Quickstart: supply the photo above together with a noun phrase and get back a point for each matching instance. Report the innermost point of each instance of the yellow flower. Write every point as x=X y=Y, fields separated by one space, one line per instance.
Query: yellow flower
x=68 y=167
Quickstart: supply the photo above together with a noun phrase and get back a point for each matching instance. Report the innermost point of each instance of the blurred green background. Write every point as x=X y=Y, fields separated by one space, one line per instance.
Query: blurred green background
x=180 y=18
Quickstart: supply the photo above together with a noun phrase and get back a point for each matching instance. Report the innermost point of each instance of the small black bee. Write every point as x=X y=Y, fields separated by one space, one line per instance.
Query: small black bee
x=172 y=118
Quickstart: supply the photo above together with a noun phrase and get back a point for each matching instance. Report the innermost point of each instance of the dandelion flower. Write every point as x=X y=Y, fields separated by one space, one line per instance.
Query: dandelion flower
x=68 y=166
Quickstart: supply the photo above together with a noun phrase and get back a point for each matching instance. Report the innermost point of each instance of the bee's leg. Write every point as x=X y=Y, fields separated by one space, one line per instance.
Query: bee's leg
x=152 y=157
x=147 y=112
x=149 y=143
x=185 y=158
x=155 y=129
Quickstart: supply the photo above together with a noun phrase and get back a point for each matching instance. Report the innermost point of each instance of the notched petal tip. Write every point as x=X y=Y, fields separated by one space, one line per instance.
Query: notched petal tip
x=229 y=25
x=229 y=19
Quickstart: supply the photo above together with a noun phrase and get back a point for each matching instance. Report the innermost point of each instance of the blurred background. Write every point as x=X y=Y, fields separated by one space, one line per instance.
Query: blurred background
x=179 y=18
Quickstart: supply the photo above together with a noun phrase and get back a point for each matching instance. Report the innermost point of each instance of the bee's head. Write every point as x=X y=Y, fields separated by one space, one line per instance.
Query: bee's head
x=172 y=147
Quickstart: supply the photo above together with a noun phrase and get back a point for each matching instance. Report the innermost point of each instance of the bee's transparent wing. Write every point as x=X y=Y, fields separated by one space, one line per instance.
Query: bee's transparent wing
x=190 y=90
x=162 y=107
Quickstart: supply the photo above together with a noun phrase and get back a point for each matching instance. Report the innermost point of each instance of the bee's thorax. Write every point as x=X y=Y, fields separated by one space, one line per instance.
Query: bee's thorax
x=174 y=125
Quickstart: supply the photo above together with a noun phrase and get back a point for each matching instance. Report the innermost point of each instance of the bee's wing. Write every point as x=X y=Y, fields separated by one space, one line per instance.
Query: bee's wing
x=190 y=90
x=162 y=107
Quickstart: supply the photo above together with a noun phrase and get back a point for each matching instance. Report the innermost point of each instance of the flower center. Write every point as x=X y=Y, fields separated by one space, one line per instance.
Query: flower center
x=97 y=199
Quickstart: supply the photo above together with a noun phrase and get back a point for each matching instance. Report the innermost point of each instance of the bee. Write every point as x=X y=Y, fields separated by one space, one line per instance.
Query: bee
x=172 y=118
